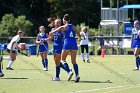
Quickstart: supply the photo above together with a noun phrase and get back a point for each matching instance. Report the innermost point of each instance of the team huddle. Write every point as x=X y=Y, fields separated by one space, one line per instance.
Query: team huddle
x=64 y=42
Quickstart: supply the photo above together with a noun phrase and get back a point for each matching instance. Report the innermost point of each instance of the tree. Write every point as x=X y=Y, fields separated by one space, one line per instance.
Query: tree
x=25 y=25
x=9 y=25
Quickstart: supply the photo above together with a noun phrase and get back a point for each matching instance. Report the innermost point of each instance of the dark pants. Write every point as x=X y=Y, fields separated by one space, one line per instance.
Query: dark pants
x=84 y=47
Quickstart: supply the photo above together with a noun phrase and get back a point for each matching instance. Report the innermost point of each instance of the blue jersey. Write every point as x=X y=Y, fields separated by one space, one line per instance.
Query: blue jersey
x=43 y=47
x=69 y=39
x=136 y=39
x=58 y=41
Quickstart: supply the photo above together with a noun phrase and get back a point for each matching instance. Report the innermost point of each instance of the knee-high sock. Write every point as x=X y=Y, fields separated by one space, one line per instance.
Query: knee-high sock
x=57 y=71
x=43 y=63
x=61 y=65
x=0 y=68
x=10 y=63
x=46 y=63
x=82 y=54
x=75 y=66
x=87 y=56
x=66 y=66
x=137 y=62
x=7 y=58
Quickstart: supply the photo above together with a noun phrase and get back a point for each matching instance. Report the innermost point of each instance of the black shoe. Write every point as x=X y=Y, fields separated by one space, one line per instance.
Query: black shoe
x=9 y=68
x=88 y=61
x=1 y=75
x=77 y=79
x=1 y=58
x=84 y=61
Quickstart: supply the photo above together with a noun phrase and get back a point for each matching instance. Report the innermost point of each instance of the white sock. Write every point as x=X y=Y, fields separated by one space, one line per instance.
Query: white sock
x=62 y=61
x=10 y=63
x=82 y=54
x=87 y=56
x=7 y=58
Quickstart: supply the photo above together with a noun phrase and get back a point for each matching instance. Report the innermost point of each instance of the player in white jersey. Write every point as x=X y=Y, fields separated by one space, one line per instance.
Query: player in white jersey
x=11 y=49
x=84 y=43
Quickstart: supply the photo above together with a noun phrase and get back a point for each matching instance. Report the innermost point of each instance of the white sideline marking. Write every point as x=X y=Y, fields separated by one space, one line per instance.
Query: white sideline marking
x=97 y=89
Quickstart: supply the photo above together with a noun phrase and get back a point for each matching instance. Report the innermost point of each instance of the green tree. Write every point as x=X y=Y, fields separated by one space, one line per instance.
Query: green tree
x=25 y=25
x=9 y=25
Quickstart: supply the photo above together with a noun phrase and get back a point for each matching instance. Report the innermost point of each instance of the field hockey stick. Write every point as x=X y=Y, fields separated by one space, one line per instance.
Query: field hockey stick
x=1 y=61
x=45 y=46
x=38 y=50
x=23 y=53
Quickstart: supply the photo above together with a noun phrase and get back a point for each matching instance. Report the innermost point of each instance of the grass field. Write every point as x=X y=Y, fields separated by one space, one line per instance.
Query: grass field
x=111 y=74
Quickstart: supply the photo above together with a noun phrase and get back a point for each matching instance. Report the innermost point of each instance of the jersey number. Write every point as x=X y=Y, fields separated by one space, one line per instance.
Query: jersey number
x=71 y=34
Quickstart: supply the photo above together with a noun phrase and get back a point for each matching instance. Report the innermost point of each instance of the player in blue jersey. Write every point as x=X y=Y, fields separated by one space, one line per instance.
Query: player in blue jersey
x=43 y=46
x=70 y=45
x=57 y=47
x=135 y=40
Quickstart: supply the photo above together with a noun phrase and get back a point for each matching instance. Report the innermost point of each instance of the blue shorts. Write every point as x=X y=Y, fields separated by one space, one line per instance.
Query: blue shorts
x=70 y=47
x=57 y=49
x=135 y=44
x=42 y=48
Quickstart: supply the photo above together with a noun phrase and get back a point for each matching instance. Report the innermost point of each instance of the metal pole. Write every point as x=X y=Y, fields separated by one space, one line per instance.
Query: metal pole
x=133 y=14
x=101 y=15
x=126 y=2
x=118 y=16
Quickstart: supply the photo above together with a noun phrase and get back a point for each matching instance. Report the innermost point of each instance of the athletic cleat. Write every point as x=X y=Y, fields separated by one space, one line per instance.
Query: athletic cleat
x=45 y=69
x=84 y=61
x=55 y=79
x=70 y=75
x=77 y=79
x=1 y=75
x=1 y=58
x=9 y=68
x=136 y=69
x=88 y=61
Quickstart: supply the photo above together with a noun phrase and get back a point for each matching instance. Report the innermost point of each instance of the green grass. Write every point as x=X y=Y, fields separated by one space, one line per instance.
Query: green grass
x=111 y=74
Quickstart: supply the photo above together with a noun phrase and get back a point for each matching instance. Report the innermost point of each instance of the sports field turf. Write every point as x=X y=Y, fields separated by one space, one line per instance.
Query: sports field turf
x=111 y=74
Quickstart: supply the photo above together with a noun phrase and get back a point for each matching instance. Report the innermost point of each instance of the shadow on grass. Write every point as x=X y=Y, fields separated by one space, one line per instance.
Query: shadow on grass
x=14 y=78
x=108 y=81
x=29 y=69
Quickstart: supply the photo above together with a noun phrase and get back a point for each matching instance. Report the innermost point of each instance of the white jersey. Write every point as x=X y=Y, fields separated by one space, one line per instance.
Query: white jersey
x=84 y=38
x=14 y=39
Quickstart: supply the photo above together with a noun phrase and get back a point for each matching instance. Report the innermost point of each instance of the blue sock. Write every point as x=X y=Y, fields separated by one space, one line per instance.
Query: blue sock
x=0 y=68
x=57 y=71
x=46 y=63
x=43 y=63
x=66 y=67
x=61 y=65
x=75 y=66
x=137 y=62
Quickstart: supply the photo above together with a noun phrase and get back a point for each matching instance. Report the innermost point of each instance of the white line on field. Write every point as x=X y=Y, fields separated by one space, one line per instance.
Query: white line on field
x=99 y=89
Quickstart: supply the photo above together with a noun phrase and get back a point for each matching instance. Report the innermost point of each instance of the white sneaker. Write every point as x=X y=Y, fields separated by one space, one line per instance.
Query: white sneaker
x=70 y=74
x=45 y=69
x=77 y=79
x=55 y=79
